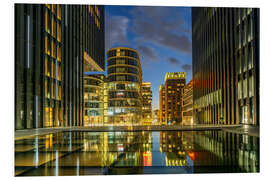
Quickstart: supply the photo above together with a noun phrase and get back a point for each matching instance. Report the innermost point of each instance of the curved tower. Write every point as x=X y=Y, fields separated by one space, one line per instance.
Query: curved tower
x=124 y=86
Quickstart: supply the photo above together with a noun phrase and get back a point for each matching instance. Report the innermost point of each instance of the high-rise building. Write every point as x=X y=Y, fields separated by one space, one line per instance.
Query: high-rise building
x=225 y=62
x=95 y=100
x=53 y=46
x=174 y=89
x=124 y=86
x=147 y=103
x=187 y=113
x=162 y=105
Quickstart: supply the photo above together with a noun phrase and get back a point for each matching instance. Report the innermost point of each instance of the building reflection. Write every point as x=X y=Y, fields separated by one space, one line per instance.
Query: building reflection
x=93 y=153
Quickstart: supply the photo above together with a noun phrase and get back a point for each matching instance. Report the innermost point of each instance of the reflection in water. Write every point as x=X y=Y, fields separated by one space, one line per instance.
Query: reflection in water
x=144 y=152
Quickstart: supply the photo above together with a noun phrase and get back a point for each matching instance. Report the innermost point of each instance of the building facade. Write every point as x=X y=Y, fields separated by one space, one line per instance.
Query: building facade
x=162 y=105
x=147 y=103
x=187 y=113
x=226 y=65
x=52 y=45
x=174 y=89
x=124 y=86
x=95 y=100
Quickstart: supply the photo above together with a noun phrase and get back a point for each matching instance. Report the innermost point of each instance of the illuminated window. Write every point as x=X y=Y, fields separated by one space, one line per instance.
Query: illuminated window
x=59 y=73
x=53 y=69
x=47 y=67
x=46 y=90
x=47 y=46
x=53 y=28
x=58 y=32
x=47 y=22
x=59 y=11
x=59 y=93
x=53 y=46
x=53 y=90
x=53 y=8
x=59 y=53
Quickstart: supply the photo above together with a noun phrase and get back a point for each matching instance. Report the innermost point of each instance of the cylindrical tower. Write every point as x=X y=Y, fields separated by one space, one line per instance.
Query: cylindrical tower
x=124 y=86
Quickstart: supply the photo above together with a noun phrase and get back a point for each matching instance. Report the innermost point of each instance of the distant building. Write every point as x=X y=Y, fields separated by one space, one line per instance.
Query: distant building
x=95 y=100
x=147 y=103
x=171 y=98
x=162 y=105
x=54 y=44
x=226 y=65
x=124 y=86
x=187 y=113
x=155 y=117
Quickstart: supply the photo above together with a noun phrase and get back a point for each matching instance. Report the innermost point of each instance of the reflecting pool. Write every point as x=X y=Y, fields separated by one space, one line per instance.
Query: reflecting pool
x=144 y=152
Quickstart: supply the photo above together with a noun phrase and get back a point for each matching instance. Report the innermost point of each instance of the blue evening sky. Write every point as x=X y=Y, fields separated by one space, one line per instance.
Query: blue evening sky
x=161 y=35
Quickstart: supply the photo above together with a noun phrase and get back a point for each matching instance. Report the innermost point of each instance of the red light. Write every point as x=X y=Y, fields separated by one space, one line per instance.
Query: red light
x=191 y=155
x=147 y=158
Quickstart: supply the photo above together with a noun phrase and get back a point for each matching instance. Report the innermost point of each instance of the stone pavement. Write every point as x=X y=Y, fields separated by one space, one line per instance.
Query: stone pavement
x=250 y=130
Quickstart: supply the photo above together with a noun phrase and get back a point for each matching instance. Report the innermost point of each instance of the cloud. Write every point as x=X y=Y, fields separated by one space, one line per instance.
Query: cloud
x=173 y=60
x=187 y=67
x=163 y=26
x=116 y=31
x=147 y=53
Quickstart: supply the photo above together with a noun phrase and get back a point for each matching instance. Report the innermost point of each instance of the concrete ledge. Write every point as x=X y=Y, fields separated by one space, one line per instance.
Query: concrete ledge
x=250 y=130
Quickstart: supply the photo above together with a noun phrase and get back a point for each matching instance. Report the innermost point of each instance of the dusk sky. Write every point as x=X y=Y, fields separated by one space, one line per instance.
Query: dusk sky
x=161 y=35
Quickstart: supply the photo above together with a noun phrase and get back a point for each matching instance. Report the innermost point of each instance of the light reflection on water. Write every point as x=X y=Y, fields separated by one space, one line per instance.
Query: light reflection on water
x=143 y=152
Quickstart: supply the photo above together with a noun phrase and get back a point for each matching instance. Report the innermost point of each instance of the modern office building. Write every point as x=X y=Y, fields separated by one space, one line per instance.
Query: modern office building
x=95 y=100
x=226 y=65
x=174 y=89
x=162 y=105
x=124 y=86
x=53 y=46
x=147 y=103
x=187 y=113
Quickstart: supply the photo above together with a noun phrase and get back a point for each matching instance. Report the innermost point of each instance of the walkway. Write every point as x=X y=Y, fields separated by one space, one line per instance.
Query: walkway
x=249 y=130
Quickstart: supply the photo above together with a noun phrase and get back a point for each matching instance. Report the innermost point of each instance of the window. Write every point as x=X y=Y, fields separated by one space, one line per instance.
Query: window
x=59 y=11
x=53 y=46
x=59 y=93
x=47 y=46
x=58 y=32
x=53 y=8
x=53 y=69
x=251 y=86
x=53 y=90
x=120 y=78
x=47 y=22
x=245 y=88
x=59 y=53
x=59 y=73
x=120 y=69
x=47 y=67
x=120 y=61
x=46 y=89
x=53 y=28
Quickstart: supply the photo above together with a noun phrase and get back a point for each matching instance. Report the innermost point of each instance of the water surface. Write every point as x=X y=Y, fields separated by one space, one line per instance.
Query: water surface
x=144 y=152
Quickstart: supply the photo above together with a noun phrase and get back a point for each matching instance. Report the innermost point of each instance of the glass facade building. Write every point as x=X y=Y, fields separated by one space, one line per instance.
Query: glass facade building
x=187 y=113
x=171 y=97
x=95 y=100
x=162 y=105
x=147 y=103
x=124 y=87
x=226 y=65
x=52 y=44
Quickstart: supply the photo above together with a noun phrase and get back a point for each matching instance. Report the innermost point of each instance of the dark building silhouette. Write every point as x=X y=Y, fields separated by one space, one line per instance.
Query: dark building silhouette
x=54 y=44
x=225 y=59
